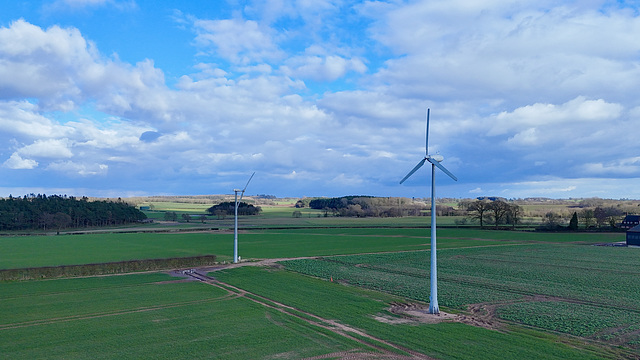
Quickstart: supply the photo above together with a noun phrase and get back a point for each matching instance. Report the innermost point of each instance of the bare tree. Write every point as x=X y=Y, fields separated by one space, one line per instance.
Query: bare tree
x=498 y=210
x=478 y=210
x=552 y=220
x=587 y=217
x=514 y=214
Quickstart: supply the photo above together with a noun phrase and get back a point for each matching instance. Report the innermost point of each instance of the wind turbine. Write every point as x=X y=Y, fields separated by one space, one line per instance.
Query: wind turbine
x=235 y=230
x=435 y=162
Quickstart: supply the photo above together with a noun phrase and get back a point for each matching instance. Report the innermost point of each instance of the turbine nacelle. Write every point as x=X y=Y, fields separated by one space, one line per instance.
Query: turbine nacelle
x=436 y=157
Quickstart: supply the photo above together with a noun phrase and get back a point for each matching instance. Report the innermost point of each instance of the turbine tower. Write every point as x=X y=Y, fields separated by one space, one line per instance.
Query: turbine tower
x=435 y=162
x=235 y=229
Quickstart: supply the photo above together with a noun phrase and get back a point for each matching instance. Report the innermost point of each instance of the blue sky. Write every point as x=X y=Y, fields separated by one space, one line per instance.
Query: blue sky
x=319 y=98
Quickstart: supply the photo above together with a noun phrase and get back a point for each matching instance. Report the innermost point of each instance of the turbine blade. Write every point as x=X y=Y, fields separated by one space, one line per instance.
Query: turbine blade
x=245 y=187
x=414 y=170
x=426 y=147
x=439 y=166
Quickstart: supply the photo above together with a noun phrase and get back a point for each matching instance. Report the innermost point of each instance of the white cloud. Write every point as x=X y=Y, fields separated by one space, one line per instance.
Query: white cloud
x=22 y=119
x=578 y=110
x=347 y=180
x=237 y=40
x=322 y=68
x=517 y=52
x=529 y=90
x=51 y=148
x=53 y=65
x=78 y=169
x=17 y=162
x=527 y=138
x=628 y=166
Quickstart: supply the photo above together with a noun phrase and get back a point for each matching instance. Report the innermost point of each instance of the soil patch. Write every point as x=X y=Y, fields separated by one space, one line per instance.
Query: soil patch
x=414 y=313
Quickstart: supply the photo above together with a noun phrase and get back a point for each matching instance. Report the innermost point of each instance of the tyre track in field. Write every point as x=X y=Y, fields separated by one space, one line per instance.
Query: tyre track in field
x=334 y=326
x=111 y=313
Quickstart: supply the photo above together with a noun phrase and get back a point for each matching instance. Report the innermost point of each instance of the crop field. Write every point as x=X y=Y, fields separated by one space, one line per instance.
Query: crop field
x=585 y=291
x=33 y=251
x=446 y=340
x=149 y=316
x=543 y=295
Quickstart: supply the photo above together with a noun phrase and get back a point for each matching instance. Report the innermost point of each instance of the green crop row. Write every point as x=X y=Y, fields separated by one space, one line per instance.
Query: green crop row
x=592 y=291
x=572 y=318
x=356 y=307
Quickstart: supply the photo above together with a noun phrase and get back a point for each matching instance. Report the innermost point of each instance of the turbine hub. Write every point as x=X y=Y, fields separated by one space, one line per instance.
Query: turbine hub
x=437 y=157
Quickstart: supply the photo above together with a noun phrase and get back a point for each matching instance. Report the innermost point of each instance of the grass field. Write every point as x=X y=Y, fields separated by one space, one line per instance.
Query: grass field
x=33 y=251
x=511 y=274
x=143 y=316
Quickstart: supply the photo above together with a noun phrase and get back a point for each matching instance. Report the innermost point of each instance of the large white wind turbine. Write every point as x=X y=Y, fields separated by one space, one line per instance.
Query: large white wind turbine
x=435 y=162
x=235 y=230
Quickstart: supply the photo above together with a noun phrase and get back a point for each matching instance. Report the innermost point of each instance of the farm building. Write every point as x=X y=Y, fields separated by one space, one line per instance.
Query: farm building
x=633 y=236
x=630 y=221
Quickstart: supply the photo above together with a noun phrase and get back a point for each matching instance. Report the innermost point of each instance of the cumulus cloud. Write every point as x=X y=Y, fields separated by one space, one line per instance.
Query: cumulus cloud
x=17 y=162
x=237 y=40
x=319 y=68
x=578 y=110
x=51 y=148
x=43 y=64
x=311 y=93
x=62 y=69
x=23 y=119
x=512 y=51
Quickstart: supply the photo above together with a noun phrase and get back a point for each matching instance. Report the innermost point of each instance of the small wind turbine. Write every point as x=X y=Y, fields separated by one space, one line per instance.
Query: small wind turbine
x=435 y=162
x=235 y=230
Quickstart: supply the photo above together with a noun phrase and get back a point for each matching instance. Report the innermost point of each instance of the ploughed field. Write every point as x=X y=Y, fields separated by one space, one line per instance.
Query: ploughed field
x=513 y=295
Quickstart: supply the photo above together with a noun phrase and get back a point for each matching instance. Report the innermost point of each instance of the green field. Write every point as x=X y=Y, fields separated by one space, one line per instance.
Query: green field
x=585 y=291
x=143 y=316
x=446 y=340
x=34 y=251
x=553 y=295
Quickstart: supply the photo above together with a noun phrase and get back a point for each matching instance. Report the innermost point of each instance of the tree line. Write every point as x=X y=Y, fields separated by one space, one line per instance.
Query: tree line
x=366 y=206
x=494 y=211
x=61 y=211
x=498 y=211
x=228 y=208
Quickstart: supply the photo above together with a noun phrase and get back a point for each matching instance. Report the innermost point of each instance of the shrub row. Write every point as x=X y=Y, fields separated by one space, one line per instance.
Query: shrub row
x=105 y=268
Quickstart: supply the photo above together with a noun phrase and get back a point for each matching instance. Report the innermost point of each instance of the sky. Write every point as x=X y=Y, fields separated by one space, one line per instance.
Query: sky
x=319 y=98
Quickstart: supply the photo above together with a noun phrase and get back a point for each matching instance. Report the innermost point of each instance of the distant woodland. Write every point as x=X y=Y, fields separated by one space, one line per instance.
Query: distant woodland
x=58 y=212
x=494 y=212
x=365 y=206
x=228 y=208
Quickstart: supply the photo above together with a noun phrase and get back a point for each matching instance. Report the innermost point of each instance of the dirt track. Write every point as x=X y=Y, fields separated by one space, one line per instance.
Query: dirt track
x=337 y=328
x=480 y=315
